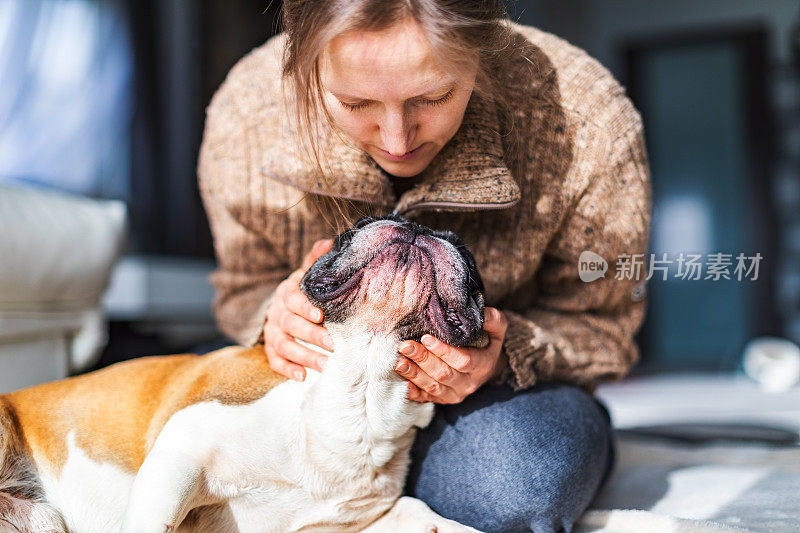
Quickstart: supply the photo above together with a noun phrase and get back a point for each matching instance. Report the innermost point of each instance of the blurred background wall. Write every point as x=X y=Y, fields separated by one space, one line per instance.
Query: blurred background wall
x=106 y=98
x=717 y=85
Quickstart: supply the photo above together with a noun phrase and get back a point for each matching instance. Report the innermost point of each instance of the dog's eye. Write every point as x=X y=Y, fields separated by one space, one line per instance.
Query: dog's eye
x=323 y=286
x=318 y=289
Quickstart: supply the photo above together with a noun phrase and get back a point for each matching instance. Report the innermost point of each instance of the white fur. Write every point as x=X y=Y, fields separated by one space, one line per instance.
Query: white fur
x=330 y=450
x=89 y=494
x=410 y=515
x=311 y=455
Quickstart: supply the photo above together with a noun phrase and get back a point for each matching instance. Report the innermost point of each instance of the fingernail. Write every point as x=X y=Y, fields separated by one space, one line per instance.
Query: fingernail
x=408 y=349
x=322 y=362
x=428 y=341
x=298 y=375
x=328 y=342
x=402 y=367
x=316 y=315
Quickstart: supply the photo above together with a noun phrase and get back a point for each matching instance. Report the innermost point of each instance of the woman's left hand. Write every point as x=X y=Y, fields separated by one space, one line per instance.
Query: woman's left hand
x=441 y=373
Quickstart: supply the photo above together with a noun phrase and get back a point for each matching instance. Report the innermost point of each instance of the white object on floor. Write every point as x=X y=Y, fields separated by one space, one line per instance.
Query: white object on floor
x=773 y=362
x=698 y=398
x=56 y=255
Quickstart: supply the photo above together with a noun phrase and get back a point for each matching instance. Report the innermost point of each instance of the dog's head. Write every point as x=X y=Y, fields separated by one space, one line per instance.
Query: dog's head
x=395 y=276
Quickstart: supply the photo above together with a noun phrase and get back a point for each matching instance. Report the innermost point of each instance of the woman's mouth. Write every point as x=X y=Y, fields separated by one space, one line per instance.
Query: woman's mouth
x=405 y=157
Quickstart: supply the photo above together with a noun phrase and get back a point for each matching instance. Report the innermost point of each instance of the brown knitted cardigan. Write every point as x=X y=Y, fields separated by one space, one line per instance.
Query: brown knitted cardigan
x=573 y=178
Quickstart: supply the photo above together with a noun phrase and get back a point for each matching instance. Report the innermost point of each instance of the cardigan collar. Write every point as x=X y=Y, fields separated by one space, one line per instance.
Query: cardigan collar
x=468 y=173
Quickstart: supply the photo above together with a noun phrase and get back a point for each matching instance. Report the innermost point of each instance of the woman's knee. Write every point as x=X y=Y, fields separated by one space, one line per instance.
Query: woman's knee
x=513 y=462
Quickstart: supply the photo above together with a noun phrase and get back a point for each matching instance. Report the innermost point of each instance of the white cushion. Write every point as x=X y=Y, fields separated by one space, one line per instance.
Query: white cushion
x=56 y=250
x=56 y=255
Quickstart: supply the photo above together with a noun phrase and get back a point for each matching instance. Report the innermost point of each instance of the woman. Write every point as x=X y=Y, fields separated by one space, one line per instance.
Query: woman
x=450 y=115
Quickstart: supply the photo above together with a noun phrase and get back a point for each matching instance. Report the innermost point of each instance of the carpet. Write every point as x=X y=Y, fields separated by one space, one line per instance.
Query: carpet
x=661 y=485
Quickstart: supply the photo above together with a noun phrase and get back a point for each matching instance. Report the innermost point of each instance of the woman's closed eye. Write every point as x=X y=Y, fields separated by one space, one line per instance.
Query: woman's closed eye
x=433 y=103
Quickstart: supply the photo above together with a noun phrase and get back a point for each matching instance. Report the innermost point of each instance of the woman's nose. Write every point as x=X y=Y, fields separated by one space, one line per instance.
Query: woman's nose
x=397 y=131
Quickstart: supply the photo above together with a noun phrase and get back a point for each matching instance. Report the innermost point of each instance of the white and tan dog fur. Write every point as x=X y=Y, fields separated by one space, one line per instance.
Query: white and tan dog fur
x=220 y=442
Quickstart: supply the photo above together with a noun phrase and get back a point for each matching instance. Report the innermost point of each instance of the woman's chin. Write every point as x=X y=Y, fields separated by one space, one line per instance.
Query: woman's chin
x=402 y=169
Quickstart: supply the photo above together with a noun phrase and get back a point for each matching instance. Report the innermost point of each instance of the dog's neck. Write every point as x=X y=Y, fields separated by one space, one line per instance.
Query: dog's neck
x=359 y=404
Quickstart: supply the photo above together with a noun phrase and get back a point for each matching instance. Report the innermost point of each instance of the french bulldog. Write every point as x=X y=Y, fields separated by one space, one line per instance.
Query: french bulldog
x=220 y=442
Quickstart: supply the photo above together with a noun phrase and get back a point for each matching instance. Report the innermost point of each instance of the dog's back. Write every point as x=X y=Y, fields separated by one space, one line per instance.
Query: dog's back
x=110 y=417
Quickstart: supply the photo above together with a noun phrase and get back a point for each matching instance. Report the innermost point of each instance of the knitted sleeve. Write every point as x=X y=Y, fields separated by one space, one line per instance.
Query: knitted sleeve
x=582 y=331
x=250 y=255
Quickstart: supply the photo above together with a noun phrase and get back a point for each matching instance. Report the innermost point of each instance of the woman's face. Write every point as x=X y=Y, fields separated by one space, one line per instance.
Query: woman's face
x=387 y=92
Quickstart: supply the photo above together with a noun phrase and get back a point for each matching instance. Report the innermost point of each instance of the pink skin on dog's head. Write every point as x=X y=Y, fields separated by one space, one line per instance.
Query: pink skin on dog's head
x=400 y=276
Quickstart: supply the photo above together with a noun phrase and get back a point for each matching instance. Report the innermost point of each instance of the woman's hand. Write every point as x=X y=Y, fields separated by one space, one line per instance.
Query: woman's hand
x=290 y=316
x=446 y=374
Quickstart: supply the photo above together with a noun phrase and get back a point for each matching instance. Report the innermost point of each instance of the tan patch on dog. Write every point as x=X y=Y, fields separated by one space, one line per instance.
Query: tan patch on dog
x=117 y=412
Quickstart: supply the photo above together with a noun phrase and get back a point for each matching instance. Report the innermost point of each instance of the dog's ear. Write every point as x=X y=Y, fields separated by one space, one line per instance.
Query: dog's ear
x=343 y=239
x=394 y=218
x=361 y=222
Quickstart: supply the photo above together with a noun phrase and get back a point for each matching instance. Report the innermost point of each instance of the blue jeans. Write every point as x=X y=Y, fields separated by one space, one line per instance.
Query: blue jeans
x=506 y=461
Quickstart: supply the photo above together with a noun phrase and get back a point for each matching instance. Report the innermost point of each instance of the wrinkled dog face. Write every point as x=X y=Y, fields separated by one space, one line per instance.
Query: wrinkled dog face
x=391 y=275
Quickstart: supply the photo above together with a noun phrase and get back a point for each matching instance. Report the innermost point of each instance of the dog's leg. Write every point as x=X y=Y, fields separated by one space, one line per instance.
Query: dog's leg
x=166 y=488
x=410 y=515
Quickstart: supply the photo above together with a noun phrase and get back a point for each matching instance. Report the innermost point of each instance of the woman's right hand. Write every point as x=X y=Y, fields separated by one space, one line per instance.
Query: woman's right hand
x=290 y=316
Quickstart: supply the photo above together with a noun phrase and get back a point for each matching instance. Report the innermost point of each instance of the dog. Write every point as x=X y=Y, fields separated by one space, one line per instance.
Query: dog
x=220 y=442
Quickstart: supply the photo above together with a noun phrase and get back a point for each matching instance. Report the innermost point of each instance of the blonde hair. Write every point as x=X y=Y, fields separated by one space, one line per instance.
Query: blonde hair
x=459 y=32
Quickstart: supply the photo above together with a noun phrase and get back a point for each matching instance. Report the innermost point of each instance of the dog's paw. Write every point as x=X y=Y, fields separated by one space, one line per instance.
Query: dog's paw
x=448 y=526
x=425 y=415
x=414 y=516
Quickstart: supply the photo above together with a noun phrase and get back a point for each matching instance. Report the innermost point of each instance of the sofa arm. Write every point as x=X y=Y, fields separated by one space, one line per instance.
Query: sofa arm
x=56 y=255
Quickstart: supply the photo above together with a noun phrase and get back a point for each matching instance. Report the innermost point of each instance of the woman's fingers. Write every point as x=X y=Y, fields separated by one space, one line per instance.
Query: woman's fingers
x=290 y=317
x=459 y=359
x=285 y=355
x=495 y=322
x=297 y=302
x=293 y=297
x=429 y=362
x=436 y=389
x=297 y=326
x=286 y=347
x=318 y=249
x=418 y=395
x=299 y=319
x=283 y=366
